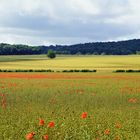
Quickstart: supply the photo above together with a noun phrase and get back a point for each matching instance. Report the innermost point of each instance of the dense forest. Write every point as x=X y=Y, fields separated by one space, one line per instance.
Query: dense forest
x=101 y=48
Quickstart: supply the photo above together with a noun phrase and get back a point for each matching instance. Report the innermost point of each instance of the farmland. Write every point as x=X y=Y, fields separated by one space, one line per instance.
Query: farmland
x=101 y=63
x=70 y=106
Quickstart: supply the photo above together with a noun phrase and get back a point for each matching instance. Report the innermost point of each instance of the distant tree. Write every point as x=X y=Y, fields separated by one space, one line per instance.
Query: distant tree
x=51 y=54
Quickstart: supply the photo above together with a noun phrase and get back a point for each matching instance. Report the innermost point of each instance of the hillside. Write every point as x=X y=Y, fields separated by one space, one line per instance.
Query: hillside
x=108 y=48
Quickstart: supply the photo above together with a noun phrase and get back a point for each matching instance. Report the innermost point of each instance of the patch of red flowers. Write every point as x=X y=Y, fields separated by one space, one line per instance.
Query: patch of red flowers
x=107 y=132
x=132 y=100
x=46 y=137
x=84 y=115
x=3 y=100
x=30 y=136
x=118 y=125
x=51 y=124
x=41 y=122
x=2 y=95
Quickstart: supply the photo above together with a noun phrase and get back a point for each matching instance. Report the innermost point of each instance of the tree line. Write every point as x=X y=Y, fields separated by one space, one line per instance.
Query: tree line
x=96 y=48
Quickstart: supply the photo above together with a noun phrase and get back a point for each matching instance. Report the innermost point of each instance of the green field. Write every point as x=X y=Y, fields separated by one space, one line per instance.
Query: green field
x=111 y=100
x=105 y=63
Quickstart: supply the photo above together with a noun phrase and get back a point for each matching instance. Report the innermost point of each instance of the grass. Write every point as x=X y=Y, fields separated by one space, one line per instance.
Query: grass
x=112 y=102
x=100 y=63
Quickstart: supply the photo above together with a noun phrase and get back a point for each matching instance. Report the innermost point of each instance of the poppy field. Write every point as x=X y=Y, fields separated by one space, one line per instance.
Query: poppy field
x=71 y=106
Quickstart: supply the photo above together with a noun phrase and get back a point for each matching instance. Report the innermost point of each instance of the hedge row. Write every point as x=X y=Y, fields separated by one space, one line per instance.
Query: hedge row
x=84 y=70
x=128 y=71
x=67 y=71
x=31 y=70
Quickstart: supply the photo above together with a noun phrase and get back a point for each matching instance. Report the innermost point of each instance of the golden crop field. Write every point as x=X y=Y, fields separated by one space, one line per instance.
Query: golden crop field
x=105 y=63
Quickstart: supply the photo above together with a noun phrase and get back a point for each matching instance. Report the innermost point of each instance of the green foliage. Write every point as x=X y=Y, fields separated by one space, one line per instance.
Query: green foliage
x=127 y=71
x=43 y=70
x=51 y=54
x=97 y=48
x=22 y=70
x=132 y=71
x=83 y=70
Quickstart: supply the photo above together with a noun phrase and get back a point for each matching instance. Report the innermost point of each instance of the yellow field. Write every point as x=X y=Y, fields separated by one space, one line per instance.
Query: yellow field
x=70 y=62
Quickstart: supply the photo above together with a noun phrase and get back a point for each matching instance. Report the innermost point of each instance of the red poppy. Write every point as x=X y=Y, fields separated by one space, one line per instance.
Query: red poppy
x=107 y=132
x=118 y=125
x=30 y=136
x=2 y=95
x=132 y=100
x=41 y=122
x=51 y=124
x=84 y=115
x=46 y=137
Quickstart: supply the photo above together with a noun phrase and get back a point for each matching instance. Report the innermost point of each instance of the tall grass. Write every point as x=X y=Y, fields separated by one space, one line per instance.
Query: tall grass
x=112 y=104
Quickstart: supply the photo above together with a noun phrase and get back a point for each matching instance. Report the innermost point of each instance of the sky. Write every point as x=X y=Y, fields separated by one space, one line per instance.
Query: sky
x=50 y=22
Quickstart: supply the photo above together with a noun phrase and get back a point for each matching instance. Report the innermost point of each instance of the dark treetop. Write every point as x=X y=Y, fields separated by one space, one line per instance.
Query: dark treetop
x=101 y=48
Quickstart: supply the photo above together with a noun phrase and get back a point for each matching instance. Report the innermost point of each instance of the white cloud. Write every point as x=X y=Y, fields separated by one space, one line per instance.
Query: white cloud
x=68 y=21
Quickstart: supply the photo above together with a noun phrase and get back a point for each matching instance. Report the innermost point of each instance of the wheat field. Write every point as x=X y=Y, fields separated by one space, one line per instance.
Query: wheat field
x=101 y=63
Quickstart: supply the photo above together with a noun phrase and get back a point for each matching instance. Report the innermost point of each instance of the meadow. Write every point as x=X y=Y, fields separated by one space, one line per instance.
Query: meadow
x=70 y=106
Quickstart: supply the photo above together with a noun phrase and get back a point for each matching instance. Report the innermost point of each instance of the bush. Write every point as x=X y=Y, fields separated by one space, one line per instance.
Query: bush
x=119 y=71
x=51 y=54
x=84 y=70
x=127 y=71
x=30 y=70
x=130 y=70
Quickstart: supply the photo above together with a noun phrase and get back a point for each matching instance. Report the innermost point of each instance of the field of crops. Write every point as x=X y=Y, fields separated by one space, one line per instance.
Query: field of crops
x=58 y=106
x=70 y=106
x=104 y=63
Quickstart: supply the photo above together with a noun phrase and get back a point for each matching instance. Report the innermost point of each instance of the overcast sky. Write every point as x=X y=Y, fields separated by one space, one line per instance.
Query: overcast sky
x=45 y=22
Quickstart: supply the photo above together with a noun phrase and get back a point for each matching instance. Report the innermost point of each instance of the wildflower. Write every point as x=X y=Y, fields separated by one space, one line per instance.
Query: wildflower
x=30 y=136
x=2 y=95
x=118 y=125
x=41 y=122
x=51 y=124
x=46 y=137
x=107 y=132
x=132 y=100
x=84 y=115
